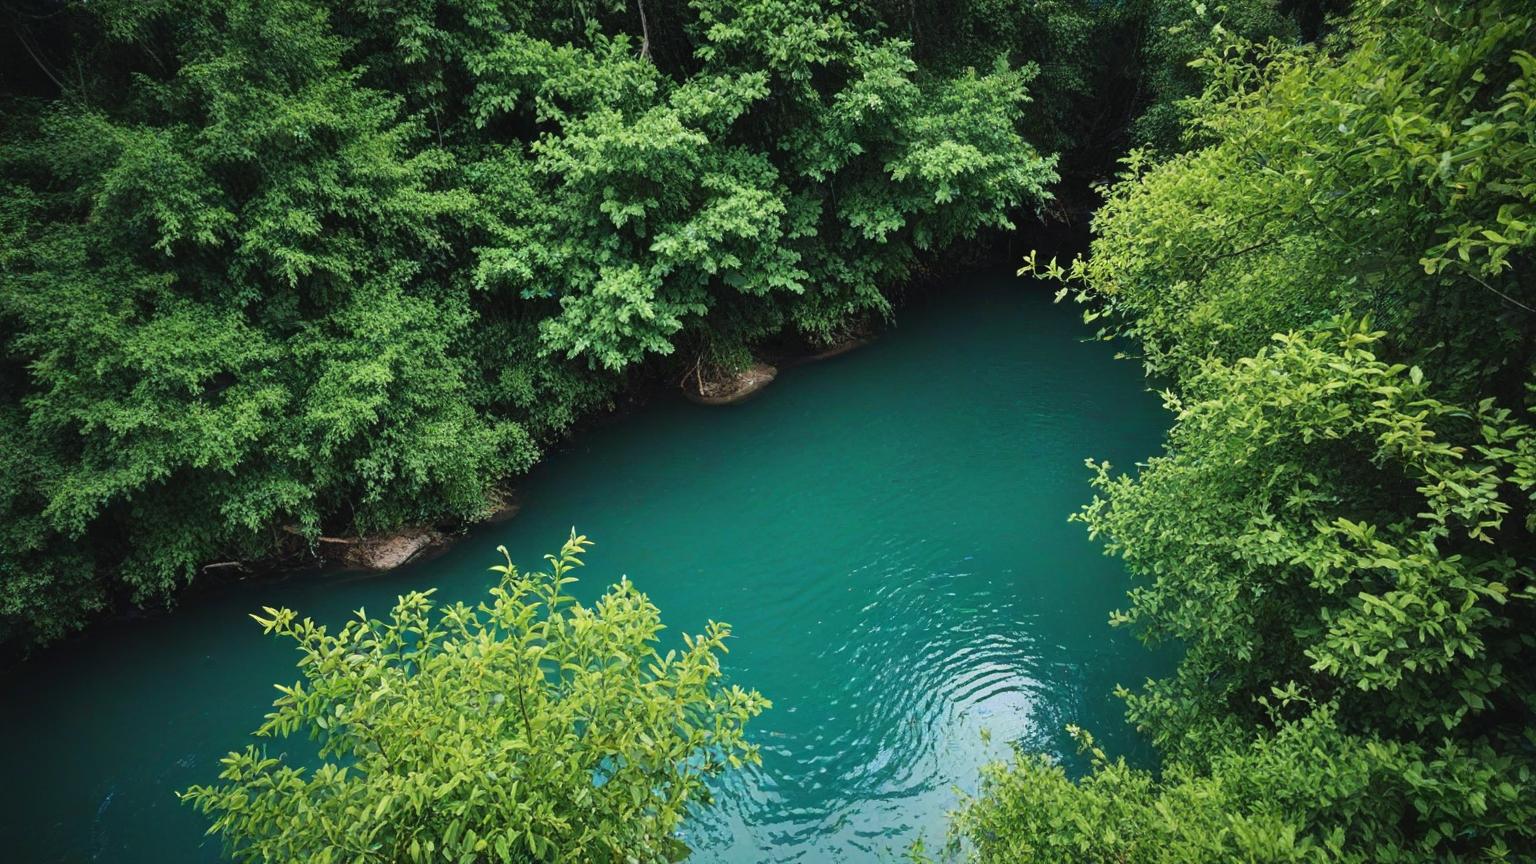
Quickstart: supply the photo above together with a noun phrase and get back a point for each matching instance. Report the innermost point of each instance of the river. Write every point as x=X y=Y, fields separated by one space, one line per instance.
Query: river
x=886 y=531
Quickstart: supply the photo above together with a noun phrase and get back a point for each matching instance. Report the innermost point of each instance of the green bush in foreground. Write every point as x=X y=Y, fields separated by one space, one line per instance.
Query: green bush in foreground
x=529 y=727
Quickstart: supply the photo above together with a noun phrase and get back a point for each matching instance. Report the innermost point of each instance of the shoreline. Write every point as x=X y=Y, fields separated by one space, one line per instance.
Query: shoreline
x=303 y=558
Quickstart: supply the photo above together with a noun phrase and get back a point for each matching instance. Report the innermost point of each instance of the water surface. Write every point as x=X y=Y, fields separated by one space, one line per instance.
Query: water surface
x=887 y=532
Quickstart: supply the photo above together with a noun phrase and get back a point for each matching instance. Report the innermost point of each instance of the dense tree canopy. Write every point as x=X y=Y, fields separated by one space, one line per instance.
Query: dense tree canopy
x=287 y=269
x=278 y=269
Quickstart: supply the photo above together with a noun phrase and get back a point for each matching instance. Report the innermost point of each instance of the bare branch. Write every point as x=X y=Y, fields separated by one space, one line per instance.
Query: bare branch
x=36 y=59
x=645 y=32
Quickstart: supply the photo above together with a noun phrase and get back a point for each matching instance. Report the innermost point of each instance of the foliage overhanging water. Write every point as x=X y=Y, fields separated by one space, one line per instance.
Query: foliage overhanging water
x=886 y=532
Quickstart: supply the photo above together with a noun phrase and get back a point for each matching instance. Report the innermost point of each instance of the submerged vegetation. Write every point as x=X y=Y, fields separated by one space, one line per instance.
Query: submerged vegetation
x=273 y=270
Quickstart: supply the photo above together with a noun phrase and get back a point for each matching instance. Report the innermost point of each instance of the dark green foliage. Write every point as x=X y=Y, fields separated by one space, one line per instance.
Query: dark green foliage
x=217 y=282
x=274 y=270
x=1112 y=74
x=1081 y=94
x=279 y=269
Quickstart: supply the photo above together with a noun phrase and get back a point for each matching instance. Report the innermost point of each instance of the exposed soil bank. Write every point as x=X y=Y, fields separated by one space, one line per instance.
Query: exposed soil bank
x=840 y=348
x=731 y=388
x=391 y=549
x=993 y=252
x=382 y=551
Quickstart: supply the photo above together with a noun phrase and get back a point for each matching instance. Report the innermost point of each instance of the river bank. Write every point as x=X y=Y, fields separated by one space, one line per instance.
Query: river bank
x=335 y=548
x=884 y=531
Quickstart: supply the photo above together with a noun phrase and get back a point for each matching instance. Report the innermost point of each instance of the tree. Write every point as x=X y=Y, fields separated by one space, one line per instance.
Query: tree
x=1340 y=532
x=277 y=270
x=527 y=728
x=1177 y=34
x=1386 y=171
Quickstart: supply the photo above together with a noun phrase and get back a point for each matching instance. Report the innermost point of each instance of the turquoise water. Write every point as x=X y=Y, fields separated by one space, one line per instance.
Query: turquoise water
x=885 y=530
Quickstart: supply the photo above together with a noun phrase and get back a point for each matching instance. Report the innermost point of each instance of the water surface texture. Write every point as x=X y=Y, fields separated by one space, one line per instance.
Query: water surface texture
x=887 y=532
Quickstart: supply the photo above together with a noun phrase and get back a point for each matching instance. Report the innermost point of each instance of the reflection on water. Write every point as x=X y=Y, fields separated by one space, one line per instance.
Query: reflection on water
x=886 y=531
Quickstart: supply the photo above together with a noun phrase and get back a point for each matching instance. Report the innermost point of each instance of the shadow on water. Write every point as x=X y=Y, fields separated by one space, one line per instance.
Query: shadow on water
x=885 y=530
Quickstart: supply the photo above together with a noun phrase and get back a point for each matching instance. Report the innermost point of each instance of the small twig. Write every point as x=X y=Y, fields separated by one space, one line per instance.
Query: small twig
x=36 y=59
x=1480 y=281
x=1205 y=265
x=645 y=32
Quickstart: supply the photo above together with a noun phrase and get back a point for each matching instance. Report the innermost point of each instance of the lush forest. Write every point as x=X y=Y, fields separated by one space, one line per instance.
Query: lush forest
x=274 y=271
x=279 y=269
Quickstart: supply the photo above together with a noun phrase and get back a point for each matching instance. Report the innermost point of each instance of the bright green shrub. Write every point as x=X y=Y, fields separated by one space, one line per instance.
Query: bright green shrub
x=528 y=727
x=1339 y=535
x=1303 y=792
x=1385 y=172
